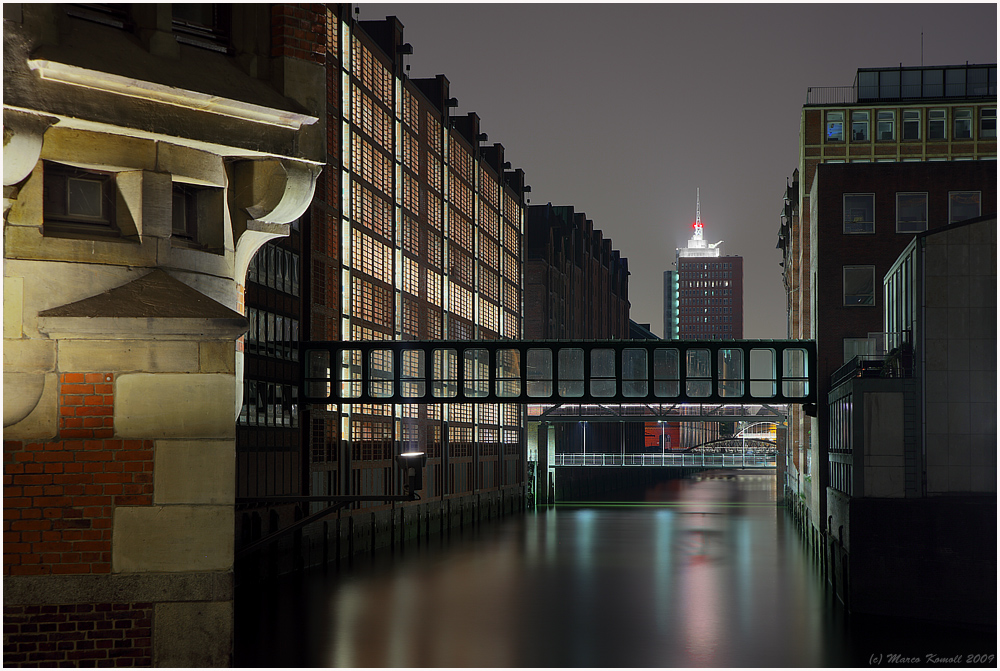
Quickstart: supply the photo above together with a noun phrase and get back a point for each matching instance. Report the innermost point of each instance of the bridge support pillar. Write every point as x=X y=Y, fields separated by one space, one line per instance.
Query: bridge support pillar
x=543 y=489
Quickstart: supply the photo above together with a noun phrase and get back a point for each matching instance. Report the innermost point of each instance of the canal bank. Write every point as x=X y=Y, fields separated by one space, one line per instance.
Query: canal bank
x=349 y=534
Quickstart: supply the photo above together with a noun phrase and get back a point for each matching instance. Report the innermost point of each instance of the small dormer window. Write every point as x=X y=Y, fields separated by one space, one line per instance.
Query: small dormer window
x=196 y=216
x=78 y=201
x=202 y=25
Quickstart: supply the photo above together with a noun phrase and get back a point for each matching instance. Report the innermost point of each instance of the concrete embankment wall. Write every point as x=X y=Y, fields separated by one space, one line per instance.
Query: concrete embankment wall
x=351 y=534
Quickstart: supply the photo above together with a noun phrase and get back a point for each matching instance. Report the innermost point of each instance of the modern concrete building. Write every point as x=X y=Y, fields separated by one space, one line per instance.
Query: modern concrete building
x=149 y=151
x=415 y=233
x=912 y=438
x=888 y=119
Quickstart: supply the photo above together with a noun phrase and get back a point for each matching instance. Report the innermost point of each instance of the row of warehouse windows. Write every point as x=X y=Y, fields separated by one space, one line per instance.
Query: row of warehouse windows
x=272 y=335
x=911 y=210
x=962 y=124
x=269 y=404
x=275 y=268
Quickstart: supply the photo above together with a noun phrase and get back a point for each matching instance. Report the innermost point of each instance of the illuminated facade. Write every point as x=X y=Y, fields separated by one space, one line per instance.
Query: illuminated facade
x=890 y=118
x=416 y=233
x=671 y=305
x=149 y=150
x=709 y=290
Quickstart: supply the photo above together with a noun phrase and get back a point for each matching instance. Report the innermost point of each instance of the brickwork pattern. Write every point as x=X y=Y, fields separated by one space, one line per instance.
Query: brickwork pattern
x=299 y=31
x=86 y=405
x=59 y=496
x=118 y=634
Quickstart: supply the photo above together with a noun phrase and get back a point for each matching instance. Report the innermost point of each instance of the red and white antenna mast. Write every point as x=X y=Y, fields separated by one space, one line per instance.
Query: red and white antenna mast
x=698 y=226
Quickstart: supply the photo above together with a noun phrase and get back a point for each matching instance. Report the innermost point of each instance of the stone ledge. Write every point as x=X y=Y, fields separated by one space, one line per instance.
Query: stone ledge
x=117 y=588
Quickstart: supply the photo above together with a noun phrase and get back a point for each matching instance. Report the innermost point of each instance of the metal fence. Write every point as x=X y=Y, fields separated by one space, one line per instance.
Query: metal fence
x=668 y=459
x=831 y=95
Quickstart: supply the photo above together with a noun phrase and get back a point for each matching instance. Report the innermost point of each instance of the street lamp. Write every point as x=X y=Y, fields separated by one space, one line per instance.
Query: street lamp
x=412 y=465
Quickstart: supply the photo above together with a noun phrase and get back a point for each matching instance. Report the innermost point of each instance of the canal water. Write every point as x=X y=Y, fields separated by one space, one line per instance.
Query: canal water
x=699 y=573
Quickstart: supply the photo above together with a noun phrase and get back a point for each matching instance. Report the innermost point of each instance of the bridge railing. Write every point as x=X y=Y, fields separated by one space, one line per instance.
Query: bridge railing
x=667 y=459
x=588 y=371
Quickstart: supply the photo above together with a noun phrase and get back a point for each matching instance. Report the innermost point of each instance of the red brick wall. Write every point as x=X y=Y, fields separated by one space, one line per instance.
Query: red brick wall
x=86 y=405
x=78 y=635
x=59 y=496
x=299 y=31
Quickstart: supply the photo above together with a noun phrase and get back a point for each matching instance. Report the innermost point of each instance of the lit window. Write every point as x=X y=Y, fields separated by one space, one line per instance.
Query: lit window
x=78 y=201
x=911 y=124
x=963 y=205
x=936 y=123
x=859 y=285
x=911 y=212
x=859 y=126
x=963 y=124
x=859 y=213
x=988 y=122
x=887 y=125
x=834 y=126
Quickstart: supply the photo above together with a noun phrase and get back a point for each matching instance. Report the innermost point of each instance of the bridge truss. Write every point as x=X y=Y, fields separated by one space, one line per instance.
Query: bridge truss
x=644 y=379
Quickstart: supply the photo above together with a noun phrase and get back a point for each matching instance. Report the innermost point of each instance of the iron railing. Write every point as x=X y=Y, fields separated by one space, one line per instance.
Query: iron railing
x=831 y=95
x=668 y=459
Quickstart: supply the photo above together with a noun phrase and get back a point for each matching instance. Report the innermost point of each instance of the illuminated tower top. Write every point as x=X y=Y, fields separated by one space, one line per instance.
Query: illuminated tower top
x=697 y=246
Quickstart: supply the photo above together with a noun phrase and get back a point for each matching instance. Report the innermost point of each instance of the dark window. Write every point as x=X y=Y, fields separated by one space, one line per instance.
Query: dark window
x=936 y=123
x=963 y=124
x=115 y=15
x=859 y=213
x=911 y=212
x=185 y=212
x=196 y=215
x=911 y=124
x=78 y=201
x=859 y=285
x=963 y=205
x=202 y=25
x=988 y=122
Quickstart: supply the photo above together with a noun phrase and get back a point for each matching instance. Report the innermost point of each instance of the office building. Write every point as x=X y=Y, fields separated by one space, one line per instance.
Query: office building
x=671 y=298
x=912 y=438
x=703 y=296
x=916 y=148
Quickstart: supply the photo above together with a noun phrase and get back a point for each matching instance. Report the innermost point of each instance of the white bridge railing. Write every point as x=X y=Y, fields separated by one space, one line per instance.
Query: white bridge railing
x=668 y=459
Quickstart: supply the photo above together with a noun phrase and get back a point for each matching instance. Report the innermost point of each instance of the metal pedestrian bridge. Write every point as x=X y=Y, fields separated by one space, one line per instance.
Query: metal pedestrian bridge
x=583 y=372
x=678 y=460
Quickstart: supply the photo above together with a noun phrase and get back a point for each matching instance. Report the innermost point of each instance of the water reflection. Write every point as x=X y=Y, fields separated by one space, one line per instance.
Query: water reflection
x=705 y=573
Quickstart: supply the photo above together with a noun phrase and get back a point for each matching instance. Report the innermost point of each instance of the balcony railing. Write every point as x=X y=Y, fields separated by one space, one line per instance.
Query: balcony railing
x=831 y=95
x=896 y=364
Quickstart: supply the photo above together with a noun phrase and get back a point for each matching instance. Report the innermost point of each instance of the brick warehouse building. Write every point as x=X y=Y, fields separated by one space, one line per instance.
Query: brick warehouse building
x=576 y=283
x=149 y=151
x=415 y=233
x=576 y=287
x=889 y=117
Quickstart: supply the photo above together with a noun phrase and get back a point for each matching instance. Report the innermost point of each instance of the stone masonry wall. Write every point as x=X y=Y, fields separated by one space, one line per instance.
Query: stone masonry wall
x=59 y=496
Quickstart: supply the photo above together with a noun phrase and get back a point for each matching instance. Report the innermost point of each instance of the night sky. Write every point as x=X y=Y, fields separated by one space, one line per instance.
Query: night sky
x=623 y=111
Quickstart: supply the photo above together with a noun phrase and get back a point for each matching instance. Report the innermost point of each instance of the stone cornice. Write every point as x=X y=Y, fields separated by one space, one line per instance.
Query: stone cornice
x=168 y=95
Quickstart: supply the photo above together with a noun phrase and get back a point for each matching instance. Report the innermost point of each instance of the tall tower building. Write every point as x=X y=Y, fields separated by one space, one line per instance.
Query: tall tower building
x=703 y=297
